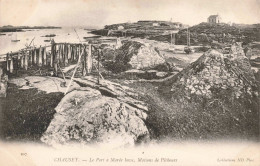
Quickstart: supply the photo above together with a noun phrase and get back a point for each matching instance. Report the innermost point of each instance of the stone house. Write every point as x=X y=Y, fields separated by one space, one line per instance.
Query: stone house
x=214 y=19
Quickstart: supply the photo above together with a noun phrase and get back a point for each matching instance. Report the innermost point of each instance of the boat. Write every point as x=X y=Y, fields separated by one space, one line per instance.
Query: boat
x=48 y=40
x=50 y=35
x=15 y=39
x=188 y=49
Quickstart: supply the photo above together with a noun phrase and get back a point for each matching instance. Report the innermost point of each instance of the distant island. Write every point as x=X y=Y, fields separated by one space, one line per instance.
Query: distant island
x=10 y=28
x=204 y=33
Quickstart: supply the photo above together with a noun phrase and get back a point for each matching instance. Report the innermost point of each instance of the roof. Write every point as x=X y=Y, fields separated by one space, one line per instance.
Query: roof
x=213 y=16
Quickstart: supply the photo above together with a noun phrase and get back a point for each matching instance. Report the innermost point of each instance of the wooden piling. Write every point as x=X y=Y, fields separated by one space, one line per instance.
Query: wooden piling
x=40 y=57
x=56 y=59
x=53 y=51
x=35 y=57
x=89 y=59
x=11 y=63
x=78 y=52
x=84 y=72
x=30 y=57
x=59 y=54
x=56 y=68
x=7 y=62
x=98 y=79
x=21 y=60
x=26 y=60
x=44 y=56
x=66 y=55
x=72 y=53
x=75 y=52
x=69 y=52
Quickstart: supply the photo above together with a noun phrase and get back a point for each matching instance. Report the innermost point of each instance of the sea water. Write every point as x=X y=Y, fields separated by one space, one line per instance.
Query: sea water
x=62 y=35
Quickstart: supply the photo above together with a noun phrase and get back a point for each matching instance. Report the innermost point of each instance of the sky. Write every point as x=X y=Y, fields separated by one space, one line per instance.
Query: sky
x=97 y=13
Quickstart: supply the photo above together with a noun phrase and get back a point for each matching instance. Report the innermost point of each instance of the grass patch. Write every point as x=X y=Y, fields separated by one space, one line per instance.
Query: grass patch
x=178 y=118
x=27 y=113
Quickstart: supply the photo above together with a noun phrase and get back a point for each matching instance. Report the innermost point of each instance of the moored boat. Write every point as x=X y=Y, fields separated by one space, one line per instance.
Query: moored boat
x=15 y=39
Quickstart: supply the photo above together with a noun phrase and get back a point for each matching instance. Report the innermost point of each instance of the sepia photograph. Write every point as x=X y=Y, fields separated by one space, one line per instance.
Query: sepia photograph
x=129 y=82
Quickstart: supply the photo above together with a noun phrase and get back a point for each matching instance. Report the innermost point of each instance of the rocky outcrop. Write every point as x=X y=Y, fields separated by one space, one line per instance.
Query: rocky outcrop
x=205 y=33
x=134 y=55
x=215 y=97
x=146 y=57
x=215 y=71
x=140 y=29
x=107 y=113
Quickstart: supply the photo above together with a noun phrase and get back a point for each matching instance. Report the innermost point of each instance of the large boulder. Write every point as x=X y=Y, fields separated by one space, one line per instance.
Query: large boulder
x=134 y=55
x=146 y=57
x=86 y=116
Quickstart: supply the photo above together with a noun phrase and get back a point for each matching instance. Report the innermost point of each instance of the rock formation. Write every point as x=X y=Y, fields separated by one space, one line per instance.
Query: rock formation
x=216 y=71
x=215 y=97
x=86 y=116
x=134 y=55
x=205 y=33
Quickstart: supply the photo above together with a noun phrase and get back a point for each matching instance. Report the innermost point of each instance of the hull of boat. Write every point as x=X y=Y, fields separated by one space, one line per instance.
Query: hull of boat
x=15 y=40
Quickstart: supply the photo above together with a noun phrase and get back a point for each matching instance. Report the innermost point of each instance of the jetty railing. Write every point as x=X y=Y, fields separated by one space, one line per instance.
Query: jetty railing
x=59 y=55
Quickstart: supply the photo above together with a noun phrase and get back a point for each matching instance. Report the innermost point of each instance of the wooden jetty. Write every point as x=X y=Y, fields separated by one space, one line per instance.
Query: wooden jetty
x=54 y=56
